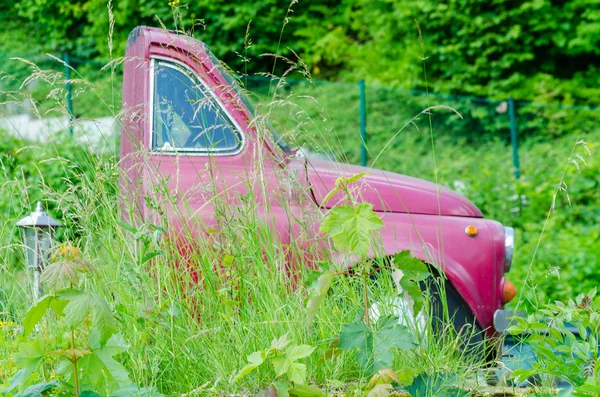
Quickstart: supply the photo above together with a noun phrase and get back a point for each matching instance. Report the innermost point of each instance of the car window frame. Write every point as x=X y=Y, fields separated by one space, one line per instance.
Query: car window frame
x=194 y=78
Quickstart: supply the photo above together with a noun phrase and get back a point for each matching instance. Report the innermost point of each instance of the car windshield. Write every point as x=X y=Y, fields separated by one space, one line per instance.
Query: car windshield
x=232 y=81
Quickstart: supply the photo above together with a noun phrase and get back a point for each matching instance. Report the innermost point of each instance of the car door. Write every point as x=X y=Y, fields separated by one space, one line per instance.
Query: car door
x=190 y=149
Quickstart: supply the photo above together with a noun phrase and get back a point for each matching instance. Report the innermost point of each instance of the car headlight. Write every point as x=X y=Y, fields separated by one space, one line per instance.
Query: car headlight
x=509 y=247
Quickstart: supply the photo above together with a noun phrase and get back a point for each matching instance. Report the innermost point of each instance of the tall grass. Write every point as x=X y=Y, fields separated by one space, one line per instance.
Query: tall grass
x=193 y=305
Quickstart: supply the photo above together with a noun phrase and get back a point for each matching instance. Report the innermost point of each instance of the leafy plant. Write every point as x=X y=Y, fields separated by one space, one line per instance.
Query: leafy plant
x=559 y=351
x=351 y=229
x=283 y=358
x=374 y=345
x=436 y=385
x=86 y=357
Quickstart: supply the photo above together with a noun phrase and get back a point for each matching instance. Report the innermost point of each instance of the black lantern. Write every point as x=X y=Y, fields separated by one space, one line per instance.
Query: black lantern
x=38 y=232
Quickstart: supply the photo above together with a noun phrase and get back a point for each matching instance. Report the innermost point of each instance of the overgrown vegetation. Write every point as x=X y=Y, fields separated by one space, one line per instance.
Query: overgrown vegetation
x=134 y=309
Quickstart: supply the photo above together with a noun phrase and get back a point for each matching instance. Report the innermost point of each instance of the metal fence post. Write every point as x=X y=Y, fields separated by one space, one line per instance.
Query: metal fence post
x=69 y=91
x=363 y=123
x=513 y=137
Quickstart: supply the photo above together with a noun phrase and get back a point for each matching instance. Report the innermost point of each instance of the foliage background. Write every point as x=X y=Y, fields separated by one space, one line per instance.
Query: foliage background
x=542 y=50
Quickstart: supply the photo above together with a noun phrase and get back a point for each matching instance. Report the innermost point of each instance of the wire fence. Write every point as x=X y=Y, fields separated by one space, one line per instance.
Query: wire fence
x=350 y=121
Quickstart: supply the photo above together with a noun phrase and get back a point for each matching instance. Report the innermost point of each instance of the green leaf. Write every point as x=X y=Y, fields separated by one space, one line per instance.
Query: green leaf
x=103 y=319
x=39 y=389
x=227 y=261
x=89 y=393
x=127 y=227
x=439 y=385
x=412 y=268
x=350 y=227
x=286 y=365
x=62 y=273
x=35 y=313
x=280 y=343
x=296 y=372
x=79 y=306
x=101 y=368
x=18 y=379
x=357 y=336
x=352 y=179
x=151 y=254
x=29 y=357
x=294 y=353
x=354 y=336
x=282 y=388
x=255 y=360
x=415 y=293
x=306 y=391
x=317 y=294
x=390 y=335
x=330 y=195
x=280 y=365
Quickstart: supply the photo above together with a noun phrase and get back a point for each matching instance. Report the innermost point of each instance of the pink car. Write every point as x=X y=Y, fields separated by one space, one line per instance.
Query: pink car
x=186 y=121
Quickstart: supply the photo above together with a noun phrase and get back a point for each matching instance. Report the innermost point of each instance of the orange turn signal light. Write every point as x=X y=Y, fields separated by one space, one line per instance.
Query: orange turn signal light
x=508 y=291
x=471 y=231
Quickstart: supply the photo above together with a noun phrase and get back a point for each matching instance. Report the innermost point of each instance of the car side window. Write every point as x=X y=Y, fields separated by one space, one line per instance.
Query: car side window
x=186 y=116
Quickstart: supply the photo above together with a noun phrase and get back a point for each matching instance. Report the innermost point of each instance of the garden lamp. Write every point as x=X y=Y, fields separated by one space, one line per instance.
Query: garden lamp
x=38 y=230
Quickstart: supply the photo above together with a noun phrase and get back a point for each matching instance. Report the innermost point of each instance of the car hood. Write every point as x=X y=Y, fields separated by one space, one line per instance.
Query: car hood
x=386 y=191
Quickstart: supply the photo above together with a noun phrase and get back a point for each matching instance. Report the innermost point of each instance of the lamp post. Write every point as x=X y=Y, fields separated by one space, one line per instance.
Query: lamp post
x=38 y=231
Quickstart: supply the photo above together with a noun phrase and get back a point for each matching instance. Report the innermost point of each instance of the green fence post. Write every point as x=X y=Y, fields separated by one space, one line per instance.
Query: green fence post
x=513 y=137
x=69 y=91
x=363 y=123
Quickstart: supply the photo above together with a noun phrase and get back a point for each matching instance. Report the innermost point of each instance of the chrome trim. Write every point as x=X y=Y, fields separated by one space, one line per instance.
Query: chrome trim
x=191 y=152
x=509 y=247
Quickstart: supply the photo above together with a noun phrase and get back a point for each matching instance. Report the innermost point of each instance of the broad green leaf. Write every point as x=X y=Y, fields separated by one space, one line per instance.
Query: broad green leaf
x=317 y=294
x=522 y=374
x=350 y=227
x=39 y=389
x=414 y=292
x=390 y=334
x=294 y=353
x=29 y=358
x=103 y=319
x=89 y=393
x=306 y=391
x=101 y=369
x=412 y=268
x=297 y=373
x=79 y=306
x=282 y=388
x=254 y=361
x=357 y=336
x=439 y=385
x=280 y=343
x=35 y=313
x=63 y=273
x=280 y=365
